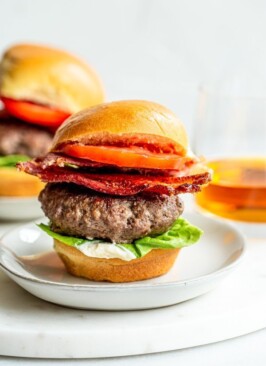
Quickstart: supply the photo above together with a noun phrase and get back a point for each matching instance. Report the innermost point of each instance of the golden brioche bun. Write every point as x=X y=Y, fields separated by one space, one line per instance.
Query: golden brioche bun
x=121 y=120
x=154 y=264
x=18 y=184
x=49 y=76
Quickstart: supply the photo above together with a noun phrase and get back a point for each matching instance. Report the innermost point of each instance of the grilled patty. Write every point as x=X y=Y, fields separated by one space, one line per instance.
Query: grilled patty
x=78 y=211
x=17 y=137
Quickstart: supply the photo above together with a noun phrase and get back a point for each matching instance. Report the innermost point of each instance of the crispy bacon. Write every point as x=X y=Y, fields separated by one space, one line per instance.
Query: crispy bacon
x=117 y=184
x=61 y=160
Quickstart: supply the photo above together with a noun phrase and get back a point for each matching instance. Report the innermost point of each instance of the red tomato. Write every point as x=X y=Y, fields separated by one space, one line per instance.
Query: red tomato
x=34 y=113
x=127 y=157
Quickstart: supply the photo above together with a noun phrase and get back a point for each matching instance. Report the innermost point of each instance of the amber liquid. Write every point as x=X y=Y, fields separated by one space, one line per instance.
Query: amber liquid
x=237 y=191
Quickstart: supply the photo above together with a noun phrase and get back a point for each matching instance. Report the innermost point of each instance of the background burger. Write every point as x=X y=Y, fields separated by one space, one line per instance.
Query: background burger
x=39 y=88
x=114 y=173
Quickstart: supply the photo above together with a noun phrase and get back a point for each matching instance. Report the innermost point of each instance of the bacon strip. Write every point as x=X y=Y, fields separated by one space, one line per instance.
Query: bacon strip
x=117 y=184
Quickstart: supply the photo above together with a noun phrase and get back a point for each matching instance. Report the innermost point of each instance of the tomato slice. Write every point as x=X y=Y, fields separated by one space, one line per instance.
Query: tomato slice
x=34 y=113
x=128 y=157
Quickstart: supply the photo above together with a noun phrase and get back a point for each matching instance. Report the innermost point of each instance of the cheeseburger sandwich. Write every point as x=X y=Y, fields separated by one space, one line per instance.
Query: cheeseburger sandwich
x=115 y=173
x=39 y=88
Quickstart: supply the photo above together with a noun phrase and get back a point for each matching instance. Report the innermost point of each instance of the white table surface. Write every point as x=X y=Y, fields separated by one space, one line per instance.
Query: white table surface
x=246 y=350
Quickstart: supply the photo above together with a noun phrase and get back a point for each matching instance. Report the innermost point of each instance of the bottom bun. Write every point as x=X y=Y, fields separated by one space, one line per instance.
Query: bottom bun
x=154 y=264
x=18 y=184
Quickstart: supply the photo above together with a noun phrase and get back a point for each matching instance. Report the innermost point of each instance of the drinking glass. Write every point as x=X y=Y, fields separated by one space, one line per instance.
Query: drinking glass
x=230 y=134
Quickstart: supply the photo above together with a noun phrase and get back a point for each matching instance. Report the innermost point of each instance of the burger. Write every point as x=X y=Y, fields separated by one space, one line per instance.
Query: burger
x=39 y=88
x=114 y=177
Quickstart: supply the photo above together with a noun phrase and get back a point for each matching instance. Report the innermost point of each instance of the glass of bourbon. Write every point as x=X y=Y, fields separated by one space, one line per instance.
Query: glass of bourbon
x=230 y=134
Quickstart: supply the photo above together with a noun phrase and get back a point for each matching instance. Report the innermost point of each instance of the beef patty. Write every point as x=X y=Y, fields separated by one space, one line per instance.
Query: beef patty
x=17 y=137
x=78 y=211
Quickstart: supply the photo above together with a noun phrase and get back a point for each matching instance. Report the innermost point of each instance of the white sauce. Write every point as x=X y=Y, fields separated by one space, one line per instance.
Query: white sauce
x=105 y=250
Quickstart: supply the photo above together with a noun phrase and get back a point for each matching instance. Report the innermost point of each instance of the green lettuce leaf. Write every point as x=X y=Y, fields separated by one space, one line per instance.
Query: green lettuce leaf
x=181 y=234
x=69 y=240
x=12 y=160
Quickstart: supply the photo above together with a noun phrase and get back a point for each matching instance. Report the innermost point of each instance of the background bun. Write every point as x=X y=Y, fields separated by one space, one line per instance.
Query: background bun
x=118 y=121
x=155 y=263
x=18 y=184
x=49 y=76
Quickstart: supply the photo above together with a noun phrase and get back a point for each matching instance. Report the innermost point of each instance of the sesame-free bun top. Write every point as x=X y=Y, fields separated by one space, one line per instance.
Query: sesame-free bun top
x=124 y=123
x=48 y=76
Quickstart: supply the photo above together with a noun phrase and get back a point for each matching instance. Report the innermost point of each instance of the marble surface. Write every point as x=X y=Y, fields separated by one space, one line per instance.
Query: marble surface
x=247 y=350
x=33 y=328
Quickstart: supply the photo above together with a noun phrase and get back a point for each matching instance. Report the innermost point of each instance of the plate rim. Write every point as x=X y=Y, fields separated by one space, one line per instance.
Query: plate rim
x=18 y=198
x=130 y=285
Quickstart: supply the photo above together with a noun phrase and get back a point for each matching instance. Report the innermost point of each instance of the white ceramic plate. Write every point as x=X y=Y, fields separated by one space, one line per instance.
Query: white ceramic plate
x=20 y=208
x=27 y=257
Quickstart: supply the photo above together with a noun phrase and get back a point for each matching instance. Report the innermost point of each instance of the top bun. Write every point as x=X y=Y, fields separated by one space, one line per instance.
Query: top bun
x=49 y=76
x=125 y=123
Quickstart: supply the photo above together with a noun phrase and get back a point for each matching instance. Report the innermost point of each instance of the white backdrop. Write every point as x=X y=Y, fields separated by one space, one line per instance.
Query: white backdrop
x=153 y=49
